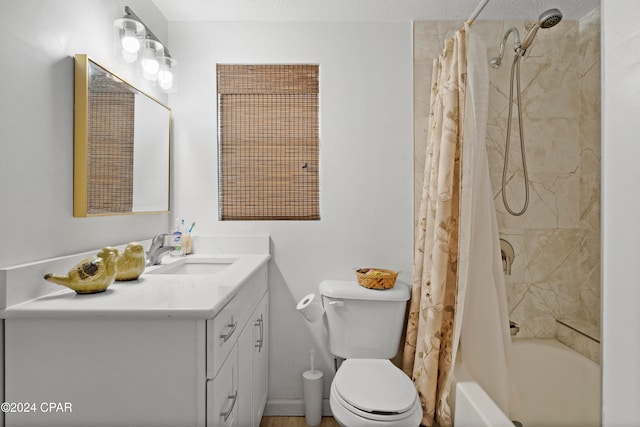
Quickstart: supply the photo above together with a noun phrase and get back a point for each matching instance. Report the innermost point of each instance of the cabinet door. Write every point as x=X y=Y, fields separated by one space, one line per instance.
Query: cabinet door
x=222 y=394
x=245 y=375
x=252 y=359
x=260 y=359
x=121 y=372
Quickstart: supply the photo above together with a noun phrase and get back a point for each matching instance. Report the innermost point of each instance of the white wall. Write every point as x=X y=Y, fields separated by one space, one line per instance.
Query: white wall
x=365 y=155
x=38 y=39
x=621 y=213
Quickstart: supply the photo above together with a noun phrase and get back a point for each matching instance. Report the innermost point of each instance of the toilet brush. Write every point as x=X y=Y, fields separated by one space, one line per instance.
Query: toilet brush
x=312 y=389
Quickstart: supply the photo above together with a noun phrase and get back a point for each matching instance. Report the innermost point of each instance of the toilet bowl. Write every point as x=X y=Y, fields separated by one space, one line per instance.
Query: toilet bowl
x=364 y=327
x=373 y=392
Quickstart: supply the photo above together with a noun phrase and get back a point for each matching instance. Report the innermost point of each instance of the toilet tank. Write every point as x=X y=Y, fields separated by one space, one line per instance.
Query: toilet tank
x=363 y=323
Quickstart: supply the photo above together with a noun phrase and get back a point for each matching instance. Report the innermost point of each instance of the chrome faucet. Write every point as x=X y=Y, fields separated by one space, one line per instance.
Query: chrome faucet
x=157 y=248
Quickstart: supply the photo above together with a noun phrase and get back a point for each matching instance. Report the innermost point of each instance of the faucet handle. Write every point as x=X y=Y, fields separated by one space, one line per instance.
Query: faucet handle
x=514 y=328
x=158 y=248
x=159 y=239
x=508 y=254
x=156 y=243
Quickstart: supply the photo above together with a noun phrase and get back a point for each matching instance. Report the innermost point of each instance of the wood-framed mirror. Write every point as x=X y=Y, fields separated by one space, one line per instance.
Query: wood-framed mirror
x=121 y=145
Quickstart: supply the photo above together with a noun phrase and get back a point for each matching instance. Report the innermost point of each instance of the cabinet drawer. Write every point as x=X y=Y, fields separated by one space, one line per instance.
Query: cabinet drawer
x=224 y=329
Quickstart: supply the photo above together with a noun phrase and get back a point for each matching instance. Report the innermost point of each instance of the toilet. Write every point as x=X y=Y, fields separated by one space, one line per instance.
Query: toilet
x=364 y=327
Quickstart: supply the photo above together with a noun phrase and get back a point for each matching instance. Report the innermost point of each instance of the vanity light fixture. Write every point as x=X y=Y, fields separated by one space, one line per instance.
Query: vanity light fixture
x=135 y=43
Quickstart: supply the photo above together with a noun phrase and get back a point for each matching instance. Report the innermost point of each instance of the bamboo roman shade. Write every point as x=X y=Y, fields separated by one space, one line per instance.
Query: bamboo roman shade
x=268 y=142
x=110 y=153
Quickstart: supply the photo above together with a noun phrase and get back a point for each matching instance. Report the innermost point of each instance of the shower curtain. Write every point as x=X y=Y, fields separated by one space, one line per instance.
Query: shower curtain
x=458 y=300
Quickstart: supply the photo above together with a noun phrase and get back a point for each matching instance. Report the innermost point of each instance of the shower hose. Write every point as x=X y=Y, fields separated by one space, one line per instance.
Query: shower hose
x=515 y=67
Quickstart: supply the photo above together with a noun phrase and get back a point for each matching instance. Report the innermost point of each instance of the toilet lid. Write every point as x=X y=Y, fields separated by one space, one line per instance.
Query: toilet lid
x=375 y=386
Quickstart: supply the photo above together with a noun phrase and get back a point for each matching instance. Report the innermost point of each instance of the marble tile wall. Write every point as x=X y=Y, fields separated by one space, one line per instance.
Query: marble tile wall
x=556 y=271
x=589 y=51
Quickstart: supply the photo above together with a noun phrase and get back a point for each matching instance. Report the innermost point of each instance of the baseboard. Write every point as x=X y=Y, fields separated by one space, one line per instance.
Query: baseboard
x=291 y=408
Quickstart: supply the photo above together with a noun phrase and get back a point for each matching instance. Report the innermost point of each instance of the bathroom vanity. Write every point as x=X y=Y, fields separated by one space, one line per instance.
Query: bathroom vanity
x=184 y=345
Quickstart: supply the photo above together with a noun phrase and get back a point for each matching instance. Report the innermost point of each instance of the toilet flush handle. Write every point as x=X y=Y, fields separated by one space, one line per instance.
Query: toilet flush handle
x=337 y=303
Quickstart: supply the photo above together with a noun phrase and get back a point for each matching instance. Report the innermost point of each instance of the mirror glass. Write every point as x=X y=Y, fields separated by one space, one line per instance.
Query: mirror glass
x=121 y=145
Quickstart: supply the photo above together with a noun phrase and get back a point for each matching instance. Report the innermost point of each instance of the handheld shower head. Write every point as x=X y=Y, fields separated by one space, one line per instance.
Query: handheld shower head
x=550 y=18
x=547 y=19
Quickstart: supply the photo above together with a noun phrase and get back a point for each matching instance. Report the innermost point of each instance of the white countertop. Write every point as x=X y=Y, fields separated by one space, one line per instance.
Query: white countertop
x=152 y=295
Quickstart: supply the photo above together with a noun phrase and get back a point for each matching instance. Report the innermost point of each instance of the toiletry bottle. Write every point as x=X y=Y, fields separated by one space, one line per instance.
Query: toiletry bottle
x=186 y=239
x=176 y=240
x=183 y=230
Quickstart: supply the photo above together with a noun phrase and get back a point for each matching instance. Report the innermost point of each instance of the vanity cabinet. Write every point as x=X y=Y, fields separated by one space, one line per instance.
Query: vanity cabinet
x=237 y=342
x=137 y=369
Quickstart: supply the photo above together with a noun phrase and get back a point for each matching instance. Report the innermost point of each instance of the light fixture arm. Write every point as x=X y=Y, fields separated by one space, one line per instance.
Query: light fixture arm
x=132 y=15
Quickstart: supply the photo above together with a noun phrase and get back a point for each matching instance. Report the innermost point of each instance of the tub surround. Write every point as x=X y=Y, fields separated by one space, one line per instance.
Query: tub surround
x=556 y=270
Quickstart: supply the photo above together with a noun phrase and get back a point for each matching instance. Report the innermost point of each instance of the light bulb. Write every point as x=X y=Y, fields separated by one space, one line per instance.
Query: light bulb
x=150 y=66
x=152 y=53
x=165 y=79
x=129 y=57
x=130 y=43
x=167 y=74
x=128 y=36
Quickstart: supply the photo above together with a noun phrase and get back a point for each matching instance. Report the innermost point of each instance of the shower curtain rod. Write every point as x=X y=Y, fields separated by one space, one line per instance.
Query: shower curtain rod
x=471 y=18
x=477 y=11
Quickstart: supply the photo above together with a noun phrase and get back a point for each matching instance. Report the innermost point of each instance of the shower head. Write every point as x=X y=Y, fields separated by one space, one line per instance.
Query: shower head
x=550 y=18
x=547 y=19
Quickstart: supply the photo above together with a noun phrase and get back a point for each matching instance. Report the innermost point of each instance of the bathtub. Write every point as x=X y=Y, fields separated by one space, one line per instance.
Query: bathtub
x=558 y=387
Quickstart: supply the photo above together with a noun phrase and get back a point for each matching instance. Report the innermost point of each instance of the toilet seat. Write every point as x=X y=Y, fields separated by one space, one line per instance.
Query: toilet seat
x=374 y=389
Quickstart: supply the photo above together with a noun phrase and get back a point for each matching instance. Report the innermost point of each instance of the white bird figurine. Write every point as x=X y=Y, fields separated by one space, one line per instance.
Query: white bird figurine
x=131 y=263
x=91 y=275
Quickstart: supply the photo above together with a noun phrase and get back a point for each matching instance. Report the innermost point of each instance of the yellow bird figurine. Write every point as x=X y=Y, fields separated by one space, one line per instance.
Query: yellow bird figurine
x=131 y=263
x=91 y=275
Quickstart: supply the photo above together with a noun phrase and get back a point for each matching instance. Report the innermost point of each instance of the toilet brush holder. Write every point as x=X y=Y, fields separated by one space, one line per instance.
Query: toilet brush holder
x=312 y=390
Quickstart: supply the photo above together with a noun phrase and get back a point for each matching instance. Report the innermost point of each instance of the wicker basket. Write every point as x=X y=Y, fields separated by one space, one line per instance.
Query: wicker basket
x=376 y=278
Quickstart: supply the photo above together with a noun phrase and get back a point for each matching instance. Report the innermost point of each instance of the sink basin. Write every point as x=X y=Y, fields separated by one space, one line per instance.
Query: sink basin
x=195 y=266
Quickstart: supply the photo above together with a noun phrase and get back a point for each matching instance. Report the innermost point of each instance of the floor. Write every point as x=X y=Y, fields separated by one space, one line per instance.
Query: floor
x=294 y=422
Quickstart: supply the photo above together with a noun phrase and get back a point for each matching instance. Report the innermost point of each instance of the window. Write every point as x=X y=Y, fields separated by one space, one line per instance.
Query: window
x=268 y=142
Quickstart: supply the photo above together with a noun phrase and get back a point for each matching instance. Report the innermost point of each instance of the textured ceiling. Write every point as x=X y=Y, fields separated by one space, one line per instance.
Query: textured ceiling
x=363 y=10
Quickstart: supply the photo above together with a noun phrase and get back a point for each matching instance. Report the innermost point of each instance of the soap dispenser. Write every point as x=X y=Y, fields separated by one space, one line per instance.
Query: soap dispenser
x=176 y=240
